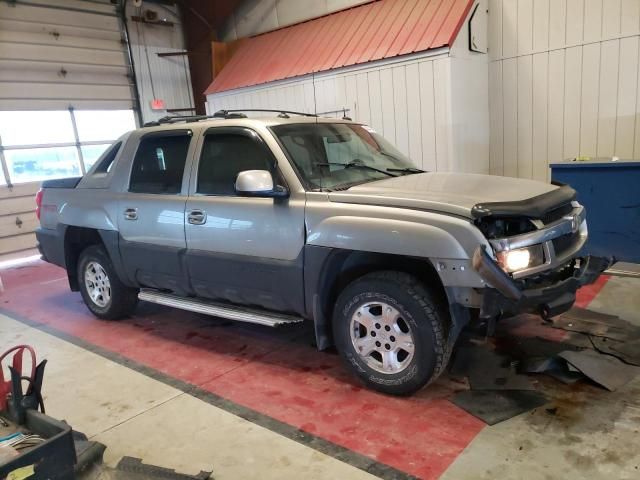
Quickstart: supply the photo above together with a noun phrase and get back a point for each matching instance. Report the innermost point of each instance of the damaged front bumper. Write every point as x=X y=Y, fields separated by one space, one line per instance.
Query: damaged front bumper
x=548 y=296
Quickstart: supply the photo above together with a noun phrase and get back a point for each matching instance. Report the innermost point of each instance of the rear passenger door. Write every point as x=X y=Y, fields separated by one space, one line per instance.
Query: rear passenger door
x=151 y=216
x=245 y=250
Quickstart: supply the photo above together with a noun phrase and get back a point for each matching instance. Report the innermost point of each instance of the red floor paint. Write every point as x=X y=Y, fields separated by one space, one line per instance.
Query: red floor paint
x=276 y=372
x=586 y=294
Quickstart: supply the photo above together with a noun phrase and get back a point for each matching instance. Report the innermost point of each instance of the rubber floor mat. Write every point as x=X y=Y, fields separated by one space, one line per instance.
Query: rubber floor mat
x=135 y=467
x=495 y=406
x=604 y=370
x=488 y=370
x=597 y=324
x=628 y=352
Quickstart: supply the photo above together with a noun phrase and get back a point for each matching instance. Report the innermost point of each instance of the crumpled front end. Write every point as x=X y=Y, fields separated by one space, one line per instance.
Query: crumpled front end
x=548 y=294
x=534 y=263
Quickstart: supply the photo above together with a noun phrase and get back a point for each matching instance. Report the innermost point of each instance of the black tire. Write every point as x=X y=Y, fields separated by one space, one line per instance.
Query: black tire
x=424 y=315
x=122 y=299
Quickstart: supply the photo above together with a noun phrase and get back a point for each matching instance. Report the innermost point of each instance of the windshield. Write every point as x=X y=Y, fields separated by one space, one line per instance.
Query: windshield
x=339 y=155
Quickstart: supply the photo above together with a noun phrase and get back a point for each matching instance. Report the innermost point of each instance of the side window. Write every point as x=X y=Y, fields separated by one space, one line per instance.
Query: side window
x=158 y=166
x=224 y=155
x=105 y=164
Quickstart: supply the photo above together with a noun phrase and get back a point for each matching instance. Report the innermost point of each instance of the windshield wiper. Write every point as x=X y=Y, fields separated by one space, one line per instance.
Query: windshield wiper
x=356 y=165
x=406 y=170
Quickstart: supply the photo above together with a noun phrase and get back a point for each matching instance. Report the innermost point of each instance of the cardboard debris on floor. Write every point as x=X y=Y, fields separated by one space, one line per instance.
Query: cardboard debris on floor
x=495 y=406
x=604 y=370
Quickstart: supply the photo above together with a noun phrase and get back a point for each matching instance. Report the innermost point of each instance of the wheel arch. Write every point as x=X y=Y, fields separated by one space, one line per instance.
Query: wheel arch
x=329 y=270
x=77 y=239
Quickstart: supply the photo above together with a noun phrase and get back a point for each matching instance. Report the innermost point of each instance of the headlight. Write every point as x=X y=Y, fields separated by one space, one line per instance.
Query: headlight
x=520 y=259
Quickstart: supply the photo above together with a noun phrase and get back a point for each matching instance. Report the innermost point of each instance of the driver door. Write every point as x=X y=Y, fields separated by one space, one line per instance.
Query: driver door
x=244 y=250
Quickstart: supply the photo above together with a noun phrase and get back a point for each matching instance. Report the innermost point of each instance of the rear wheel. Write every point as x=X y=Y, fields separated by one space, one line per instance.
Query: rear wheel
x=102 y=291
x=389 y=329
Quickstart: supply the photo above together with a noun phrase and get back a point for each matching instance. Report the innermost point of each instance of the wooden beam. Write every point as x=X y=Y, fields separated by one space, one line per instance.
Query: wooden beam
x=221 y=53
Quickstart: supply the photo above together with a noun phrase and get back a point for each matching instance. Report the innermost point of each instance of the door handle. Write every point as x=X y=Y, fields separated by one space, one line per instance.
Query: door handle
x=131 y=214
x=197 y=217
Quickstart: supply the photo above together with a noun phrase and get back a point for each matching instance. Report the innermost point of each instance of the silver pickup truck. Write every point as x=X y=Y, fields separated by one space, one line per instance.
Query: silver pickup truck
x=277 y=220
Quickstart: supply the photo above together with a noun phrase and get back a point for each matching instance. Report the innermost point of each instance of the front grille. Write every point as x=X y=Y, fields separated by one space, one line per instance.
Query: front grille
x=556 y=214
x=565 y=242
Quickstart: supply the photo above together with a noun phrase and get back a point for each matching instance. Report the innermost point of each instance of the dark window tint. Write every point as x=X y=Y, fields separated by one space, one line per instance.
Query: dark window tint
x=159 y=164
x=106 y=162
x=226 y=155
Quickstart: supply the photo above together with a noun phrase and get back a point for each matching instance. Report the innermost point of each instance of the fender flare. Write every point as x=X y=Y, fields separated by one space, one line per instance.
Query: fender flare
x=387 y=236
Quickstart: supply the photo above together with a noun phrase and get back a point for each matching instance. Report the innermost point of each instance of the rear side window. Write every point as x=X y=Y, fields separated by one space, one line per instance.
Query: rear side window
x=224 y=155
x=159 y=163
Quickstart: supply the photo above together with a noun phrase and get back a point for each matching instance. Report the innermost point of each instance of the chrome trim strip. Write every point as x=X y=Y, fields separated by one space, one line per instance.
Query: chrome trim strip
x=239 y=314
x=574 y=222
x=555 y=261
x=568 y=224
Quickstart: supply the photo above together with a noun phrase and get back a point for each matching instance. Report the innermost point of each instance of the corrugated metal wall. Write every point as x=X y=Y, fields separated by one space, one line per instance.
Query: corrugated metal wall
x=408 y=102
x=433 y=108
x=563 y=82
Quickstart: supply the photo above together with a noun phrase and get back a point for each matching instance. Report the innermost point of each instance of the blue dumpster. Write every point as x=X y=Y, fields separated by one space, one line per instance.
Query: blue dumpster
x=610 y=191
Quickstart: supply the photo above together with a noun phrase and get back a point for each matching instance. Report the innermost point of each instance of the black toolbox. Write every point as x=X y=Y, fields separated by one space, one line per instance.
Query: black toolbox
x=54 y=458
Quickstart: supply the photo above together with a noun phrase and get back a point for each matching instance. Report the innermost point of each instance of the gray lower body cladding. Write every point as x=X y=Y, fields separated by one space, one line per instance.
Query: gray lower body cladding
x=50 y=244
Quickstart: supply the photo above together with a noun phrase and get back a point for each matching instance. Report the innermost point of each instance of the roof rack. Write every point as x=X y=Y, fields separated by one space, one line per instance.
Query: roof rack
x=176 y=119
x=235 y=113
x=281 y=113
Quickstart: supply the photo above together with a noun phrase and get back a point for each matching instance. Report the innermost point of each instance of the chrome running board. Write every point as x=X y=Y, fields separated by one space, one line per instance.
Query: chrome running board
x=240 y=314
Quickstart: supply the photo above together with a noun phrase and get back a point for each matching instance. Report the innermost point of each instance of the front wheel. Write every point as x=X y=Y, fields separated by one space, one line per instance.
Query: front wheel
x=102 y=290
x=389 y=329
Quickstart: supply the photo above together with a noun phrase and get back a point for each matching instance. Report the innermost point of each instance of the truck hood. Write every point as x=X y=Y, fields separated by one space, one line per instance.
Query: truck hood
x=452 y=193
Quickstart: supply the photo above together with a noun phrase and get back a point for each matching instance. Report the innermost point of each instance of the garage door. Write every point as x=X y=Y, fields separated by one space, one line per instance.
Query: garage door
x=65 y=94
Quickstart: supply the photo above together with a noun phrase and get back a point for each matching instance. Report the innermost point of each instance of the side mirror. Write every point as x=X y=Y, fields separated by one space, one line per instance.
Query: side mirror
x=259 y=183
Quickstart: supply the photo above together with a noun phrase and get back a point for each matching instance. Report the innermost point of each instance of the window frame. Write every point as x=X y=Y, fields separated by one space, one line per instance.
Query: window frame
x=248 y=132
x=174 y=132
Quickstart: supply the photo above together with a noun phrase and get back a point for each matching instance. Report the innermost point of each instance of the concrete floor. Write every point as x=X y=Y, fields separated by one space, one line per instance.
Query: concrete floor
x=138 y=416
x=191 y=393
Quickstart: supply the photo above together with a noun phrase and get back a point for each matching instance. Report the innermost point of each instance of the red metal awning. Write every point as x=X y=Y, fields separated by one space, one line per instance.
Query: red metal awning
x=374 y=31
